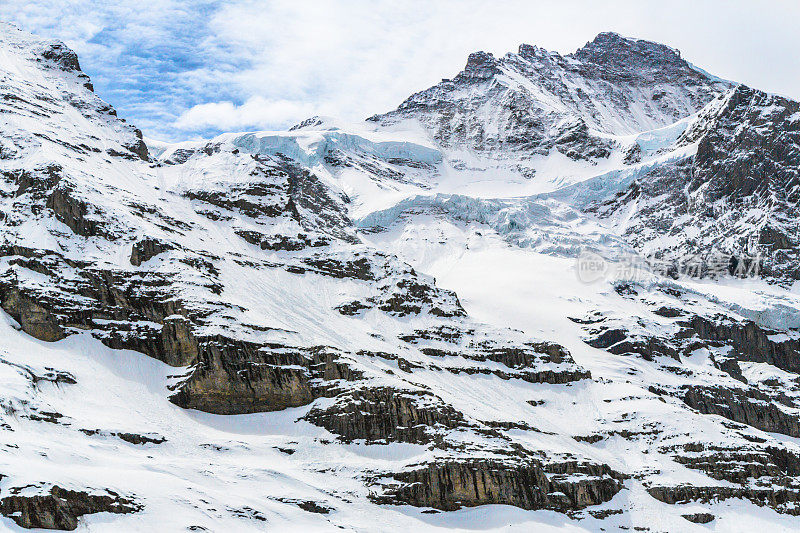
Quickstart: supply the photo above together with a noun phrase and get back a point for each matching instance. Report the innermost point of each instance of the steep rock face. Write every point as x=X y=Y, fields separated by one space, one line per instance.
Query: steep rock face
x=529 y=485
x=34 y=319
x=146 y=249
x=734 y=200
x=61 y=508
x=389 y=415
x=612 y=57
x=752 y=148
x=747 y=407
x=234 y=377
x=777 y=499
x=751 y=341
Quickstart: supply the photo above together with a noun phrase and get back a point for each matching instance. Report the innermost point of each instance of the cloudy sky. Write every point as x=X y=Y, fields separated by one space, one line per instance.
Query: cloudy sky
x=183 y=69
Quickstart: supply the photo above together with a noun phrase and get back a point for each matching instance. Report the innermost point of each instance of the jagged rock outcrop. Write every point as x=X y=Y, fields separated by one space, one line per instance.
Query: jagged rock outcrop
x=780 y=499
x=534 y=362
x=755 y=461
x=745 y=406
x=751 y=342
x=699 y=518
x=146 y=249
x=527 y=484
x=34 y=319
x=734 y=199
x=385 y=414
x=235 y=377
x=61 y=508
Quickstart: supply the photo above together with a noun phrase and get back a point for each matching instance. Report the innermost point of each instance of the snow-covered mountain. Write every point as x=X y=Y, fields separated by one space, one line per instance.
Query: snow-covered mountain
x=386 y=325
x=534 y=102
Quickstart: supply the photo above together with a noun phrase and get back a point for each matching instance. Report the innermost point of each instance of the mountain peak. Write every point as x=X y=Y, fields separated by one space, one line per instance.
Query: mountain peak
x=531 y=51
x=481 y=65
x=51 y=50
x=610 y=39
x=614 y=50
x=537 y=91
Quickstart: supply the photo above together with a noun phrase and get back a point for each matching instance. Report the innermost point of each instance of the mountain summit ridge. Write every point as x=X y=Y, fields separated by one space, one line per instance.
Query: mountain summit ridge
x=535 y=100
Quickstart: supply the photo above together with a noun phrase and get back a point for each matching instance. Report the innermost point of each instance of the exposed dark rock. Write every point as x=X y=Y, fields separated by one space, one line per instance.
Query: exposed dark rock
x=385 y=414
x=135 y=438
x=61 y=55
x=591 y=439
x=248 y=513
x=75 y=213
x=292 y=243
x=49 y=417
x=613 y=57
x=38 y=376
x=61 y=508
x=179 y=156
x=527 y=484
x=699 y=518
x=746 y=406
x=741 y=465
x=253 y=237
x=409 y=296
x=633 y=155
x=751 y=342
x=235 y=377
x=38 y=183
x=358 y=268
x=138 y=147
x=34 y=319
x=622 y=342
x=147 y=248
x=575 y=141
x=481 y=65
x=308 y=505
x=246 y=200
x=525 y=360
x=352 y=308
x=668 y=312
x=782 y=500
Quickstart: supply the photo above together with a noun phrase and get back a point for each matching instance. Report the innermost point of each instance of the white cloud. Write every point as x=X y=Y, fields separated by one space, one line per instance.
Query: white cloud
x=255 y=112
